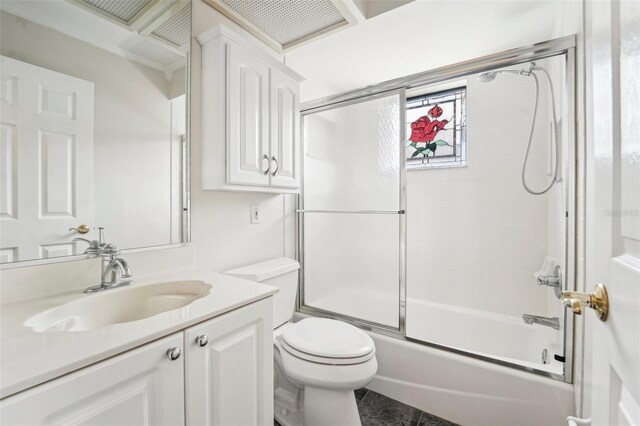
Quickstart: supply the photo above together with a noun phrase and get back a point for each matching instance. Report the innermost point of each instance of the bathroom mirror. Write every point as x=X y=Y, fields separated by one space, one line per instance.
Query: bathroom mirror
x=94 y=125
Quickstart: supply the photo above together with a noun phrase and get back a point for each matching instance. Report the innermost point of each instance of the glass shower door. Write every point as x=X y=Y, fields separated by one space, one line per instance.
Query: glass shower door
x=351 y=212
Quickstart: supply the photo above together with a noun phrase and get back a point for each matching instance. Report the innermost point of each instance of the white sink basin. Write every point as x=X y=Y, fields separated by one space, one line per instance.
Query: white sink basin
x=118 y=306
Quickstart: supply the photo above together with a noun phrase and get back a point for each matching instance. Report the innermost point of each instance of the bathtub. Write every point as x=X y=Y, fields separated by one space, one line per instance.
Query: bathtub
x=465 y=390
x=502 y=337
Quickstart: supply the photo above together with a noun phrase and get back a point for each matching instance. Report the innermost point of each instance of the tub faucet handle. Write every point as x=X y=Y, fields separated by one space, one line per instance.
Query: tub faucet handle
x=554 y=281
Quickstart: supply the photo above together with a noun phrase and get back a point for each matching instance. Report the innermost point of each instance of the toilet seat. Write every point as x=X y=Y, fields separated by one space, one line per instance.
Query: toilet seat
x=325 y=360
x=303 y=372
x=327 y=341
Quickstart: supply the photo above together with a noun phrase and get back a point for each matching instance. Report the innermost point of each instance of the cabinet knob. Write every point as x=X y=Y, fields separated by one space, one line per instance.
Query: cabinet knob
x=277 y=166
x=174 y=353
x=202 y=340
x=266 y=157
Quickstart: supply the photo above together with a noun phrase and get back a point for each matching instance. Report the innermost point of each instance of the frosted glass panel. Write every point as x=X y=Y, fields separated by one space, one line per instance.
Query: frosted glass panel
x=352 y=158
x=351 y=265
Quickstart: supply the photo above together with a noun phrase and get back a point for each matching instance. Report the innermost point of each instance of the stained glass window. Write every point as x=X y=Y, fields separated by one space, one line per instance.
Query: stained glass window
x=436 y=129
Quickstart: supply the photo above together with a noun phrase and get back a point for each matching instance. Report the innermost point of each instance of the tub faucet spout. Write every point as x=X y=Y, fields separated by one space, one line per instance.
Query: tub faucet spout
x=547 y=322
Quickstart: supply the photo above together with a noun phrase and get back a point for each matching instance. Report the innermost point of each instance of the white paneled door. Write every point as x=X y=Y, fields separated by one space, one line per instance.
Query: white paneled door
x=613 y=360
x=46 y=160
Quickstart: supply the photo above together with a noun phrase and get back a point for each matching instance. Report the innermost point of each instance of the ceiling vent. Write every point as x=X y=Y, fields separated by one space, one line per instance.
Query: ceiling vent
x=283 y=24
x=122 y=11
x=177 y=29
x=165 y=22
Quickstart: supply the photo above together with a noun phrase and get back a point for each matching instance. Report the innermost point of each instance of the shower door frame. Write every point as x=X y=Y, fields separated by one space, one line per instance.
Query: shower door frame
x=556 y=47
x=401 y=212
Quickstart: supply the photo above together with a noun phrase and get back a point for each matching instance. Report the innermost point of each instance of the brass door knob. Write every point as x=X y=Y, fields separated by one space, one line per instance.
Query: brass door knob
x=82 y=229
x=598 y=300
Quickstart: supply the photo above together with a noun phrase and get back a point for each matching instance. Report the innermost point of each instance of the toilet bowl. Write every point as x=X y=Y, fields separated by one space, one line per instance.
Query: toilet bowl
x=318 y=362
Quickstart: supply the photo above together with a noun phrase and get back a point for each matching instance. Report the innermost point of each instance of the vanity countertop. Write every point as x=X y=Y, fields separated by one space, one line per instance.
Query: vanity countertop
x=28 y=358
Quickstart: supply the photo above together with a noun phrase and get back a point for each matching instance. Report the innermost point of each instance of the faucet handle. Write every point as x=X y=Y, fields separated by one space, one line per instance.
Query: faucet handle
x=554 y=281
x=93 y=249
x=110 y=250
x=101 y=234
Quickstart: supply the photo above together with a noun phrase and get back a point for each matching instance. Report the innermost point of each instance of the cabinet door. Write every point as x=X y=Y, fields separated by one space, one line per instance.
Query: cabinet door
x=285 y=129
x=139 y=387
x=230 y=380
x=247 y=118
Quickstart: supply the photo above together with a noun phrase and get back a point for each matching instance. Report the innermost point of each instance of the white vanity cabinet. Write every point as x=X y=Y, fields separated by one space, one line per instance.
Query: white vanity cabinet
x=224 y=380
x=229 y=368
x=138 y=387
x=250 y=116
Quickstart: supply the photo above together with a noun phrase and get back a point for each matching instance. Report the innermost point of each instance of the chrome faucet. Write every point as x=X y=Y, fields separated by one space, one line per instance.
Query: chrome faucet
x=115 y=270
x=547 y=322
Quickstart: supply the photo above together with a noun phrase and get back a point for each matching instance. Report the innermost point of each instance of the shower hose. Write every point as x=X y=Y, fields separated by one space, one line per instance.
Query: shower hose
x=555 y=135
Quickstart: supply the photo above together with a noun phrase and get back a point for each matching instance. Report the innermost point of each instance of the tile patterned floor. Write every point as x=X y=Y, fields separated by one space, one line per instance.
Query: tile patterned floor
x=379 y=410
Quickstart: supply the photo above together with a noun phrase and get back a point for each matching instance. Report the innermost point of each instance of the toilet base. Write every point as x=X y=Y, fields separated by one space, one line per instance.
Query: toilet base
x=330 y=407
x=287 y=417
x=322 y=407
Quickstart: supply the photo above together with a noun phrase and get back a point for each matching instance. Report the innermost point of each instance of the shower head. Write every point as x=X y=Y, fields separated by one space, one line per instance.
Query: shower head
x=486 y=77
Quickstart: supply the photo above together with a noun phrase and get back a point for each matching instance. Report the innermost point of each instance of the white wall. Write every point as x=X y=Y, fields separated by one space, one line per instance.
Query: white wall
x=131 y=129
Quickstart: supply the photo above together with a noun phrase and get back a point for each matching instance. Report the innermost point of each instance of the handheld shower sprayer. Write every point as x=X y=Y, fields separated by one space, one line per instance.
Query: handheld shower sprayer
x=489 y=76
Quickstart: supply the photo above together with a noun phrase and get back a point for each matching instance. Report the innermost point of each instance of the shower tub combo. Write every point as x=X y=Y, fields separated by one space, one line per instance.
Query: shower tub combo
x=440 y=266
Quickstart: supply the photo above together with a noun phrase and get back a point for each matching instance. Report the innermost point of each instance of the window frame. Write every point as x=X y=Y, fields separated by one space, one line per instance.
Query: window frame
x=459 y=130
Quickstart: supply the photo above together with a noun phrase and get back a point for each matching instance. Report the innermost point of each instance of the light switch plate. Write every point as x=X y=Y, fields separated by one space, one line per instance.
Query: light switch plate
x=256 y=216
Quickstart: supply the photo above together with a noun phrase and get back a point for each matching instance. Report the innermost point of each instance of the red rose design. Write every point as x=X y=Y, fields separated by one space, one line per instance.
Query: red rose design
x=435 y=112
x=425 y=130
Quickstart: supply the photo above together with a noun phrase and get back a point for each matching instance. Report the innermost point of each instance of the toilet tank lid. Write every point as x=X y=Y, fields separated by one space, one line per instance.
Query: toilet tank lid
x=265 y=270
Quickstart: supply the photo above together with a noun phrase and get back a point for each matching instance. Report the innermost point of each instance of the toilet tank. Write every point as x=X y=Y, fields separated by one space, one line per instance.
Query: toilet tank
x=280 y=272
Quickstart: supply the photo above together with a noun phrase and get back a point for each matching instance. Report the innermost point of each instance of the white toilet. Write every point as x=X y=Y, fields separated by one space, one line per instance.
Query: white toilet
x=318 y=362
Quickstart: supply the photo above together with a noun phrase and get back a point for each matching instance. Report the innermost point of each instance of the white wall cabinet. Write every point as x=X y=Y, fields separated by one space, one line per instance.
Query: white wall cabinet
x=227 y=381
x=250 y=117
x=139 y=387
